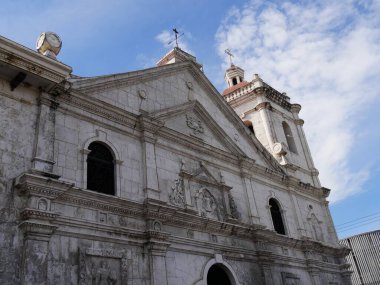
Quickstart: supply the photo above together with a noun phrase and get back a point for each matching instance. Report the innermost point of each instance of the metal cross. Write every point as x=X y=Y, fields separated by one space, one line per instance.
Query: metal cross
x=176 y=37
x=228 y=51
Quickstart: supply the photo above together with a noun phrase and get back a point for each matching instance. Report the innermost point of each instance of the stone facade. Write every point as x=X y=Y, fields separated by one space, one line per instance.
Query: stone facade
x=192 y=184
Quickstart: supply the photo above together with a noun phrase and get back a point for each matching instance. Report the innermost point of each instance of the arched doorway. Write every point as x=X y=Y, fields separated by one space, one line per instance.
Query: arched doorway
x=217 y=276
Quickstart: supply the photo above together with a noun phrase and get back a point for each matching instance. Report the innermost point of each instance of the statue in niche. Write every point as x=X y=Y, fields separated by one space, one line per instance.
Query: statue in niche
x=234 y=211
x=42 y=205
x=205 y=203
x=177 y=197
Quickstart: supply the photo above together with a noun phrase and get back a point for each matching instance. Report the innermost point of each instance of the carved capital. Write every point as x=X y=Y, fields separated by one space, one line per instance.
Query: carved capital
x=149 y=128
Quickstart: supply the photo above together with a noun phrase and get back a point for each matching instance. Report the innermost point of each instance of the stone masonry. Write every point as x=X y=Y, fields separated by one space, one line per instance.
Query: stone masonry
x=192 y=183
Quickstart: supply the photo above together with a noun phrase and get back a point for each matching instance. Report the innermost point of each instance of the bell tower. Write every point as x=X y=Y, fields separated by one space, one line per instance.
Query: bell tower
x=274 y=120
x=234 y=75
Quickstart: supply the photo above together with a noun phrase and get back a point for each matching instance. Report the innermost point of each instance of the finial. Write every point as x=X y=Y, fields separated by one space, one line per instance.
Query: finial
x=228 y=51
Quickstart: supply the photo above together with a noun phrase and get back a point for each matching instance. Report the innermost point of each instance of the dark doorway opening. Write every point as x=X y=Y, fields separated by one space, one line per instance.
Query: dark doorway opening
x=217 y=276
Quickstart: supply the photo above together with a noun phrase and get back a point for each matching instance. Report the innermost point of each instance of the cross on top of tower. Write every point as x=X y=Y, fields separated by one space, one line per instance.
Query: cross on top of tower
x=228 y=51
x=177 y=35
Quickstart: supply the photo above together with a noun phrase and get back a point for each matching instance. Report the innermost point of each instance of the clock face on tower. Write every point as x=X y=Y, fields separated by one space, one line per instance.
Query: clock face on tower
x=49 y=44
x=40 y=41
x=53 y=39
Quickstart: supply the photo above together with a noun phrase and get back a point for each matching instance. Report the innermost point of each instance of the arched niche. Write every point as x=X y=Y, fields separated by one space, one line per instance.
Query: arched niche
x=220 y=264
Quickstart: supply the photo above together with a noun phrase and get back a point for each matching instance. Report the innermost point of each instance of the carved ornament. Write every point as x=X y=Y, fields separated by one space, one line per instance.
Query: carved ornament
x=195 y=124
x=177 y=196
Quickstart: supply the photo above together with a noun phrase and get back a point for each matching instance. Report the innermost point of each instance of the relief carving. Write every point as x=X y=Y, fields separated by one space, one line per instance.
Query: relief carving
x=234 y=211
x=102 y=267
x=194 y=124
x=206 y=203
x=177 y=196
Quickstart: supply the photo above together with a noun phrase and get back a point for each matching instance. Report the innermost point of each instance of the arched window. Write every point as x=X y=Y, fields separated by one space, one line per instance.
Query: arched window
x=289 y=137
x=234 y=81
x=250 y=126
x=275 y=212
x=100 y=169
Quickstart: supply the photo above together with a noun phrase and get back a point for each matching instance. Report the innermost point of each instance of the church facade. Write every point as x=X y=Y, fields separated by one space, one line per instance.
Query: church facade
x=154 y=177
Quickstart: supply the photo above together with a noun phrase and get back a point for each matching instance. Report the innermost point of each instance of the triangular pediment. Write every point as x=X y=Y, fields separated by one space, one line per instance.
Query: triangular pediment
x=193 y=120
x=181 y=92
x=203 y=174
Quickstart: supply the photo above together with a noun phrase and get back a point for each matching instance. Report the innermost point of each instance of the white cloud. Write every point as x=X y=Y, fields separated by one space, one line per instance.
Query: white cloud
x=326 y=56
x=167 y=39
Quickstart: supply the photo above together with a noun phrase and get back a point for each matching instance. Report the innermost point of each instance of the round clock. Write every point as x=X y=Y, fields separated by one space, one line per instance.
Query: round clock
x=279 y=149
x=49 y=44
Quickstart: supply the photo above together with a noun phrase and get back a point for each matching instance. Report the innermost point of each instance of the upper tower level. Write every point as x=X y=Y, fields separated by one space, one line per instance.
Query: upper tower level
x=274 y=121
x=234 y=75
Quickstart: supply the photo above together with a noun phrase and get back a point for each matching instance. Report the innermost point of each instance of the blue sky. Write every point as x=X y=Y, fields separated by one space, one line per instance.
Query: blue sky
x=324 y=54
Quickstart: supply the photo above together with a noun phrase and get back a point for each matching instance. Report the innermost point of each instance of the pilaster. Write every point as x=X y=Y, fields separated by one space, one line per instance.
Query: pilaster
x=149 y=128
x=262 y=108
x=43 y=160
x=265 y=259
x=251 y=202
x=157 y=247
x=35 y=252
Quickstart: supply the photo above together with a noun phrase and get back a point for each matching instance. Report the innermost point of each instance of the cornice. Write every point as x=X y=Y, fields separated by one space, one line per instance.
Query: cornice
x=61 y=192
x=100 y=108
x=102 y=83
x=32 y=62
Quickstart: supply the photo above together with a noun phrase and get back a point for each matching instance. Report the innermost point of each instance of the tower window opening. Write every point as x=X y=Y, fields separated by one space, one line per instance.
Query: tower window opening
x=100 y=169
x=276 y=214
x=289 y=137
x=234 y=81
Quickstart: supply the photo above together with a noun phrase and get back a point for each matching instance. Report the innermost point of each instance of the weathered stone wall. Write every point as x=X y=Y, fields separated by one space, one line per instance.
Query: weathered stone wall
x=18 y=113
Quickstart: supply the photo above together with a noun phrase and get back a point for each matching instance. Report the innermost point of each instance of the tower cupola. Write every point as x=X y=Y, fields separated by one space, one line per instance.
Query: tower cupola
x=234 y=75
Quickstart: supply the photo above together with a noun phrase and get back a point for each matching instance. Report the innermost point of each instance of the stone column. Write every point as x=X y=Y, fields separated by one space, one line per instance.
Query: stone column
x=43 y=159
x=149 y=128
x=35 y=252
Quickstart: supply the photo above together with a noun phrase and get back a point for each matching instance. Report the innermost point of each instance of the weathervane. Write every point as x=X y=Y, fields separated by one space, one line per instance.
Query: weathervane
x=228 y=51
x=176 y=37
